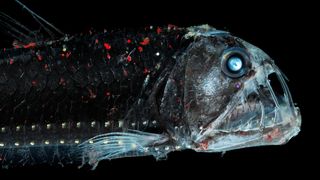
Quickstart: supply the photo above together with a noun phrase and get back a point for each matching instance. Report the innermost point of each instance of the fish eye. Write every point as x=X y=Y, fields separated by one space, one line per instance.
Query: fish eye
x=234 y=62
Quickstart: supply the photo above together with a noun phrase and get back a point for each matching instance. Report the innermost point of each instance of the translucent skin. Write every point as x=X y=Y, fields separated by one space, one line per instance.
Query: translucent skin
x=242 y=116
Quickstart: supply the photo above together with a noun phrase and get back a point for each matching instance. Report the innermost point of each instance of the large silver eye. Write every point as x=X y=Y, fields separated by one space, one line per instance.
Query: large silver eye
x=234 y=62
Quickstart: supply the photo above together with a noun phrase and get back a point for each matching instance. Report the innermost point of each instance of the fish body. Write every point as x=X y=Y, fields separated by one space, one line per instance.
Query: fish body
x=123 y=93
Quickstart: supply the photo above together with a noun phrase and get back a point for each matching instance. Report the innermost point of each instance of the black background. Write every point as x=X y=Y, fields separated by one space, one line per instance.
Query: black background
x=282 y=30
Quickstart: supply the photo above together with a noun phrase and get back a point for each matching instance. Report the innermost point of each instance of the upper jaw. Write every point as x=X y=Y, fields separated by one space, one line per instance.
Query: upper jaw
x=277 y=122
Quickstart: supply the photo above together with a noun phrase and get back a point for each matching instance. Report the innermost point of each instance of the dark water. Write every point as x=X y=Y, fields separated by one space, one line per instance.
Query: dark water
x=274 y=28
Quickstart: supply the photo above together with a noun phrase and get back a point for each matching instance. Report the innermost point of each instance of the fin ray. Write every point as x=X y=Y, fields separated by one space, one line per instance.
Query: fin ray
x=118 y=144
x=36 y=16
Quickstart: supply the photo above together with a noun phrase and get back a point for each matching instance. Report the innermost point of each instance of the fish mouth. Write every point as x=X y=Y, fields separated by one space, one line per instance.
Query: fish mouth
x=262 y=113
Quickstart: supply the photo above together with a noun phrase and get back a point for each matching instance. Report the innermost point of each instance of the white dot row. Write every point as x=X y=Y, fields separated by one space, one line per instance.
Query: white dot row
x=46 y=142
x=78 y=125
x=63 y=126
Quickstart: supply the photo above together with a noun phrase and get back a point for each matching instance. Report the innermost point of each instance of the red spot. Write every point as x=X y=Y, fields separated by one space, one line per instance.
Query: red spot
x=146 y=71
x=107 y=46
x=30 y=45
x=4 y=49
x=62 y=55
x=145 y=41
x=129 y=41
x=129 y=59
x=268 y=138
x=177 y=36
x=11 y=61
x=159 y=30
x=107 y=93
x=108 y=56
x=97 y=41
x=276 y=133
x=34 y=82
x=204 y=145
x=68 y=54
x=170 y=46
x=39 y=57
x=140 y=49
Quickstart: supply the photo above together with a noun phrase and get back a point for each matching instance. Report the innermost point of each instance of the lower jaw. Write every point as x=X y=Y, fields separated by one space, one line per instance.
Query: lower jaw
x=276 y=130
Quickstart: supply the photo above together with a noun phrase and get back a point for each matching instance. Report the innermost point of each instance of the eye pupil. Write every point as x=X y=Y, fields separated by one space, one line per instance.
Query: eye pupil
x=234 y=63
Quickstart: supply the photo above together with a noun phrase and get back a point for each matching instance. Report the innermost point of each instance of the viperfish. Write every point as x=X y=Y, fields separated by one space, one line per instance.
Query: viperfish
x=138 y=92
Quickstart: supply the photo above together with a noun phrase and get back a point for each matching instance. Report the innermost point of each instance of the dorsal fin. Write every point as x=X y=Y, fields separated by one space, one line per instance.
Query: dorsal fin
x=15 y=29
x=24 y=34
x=43 y=23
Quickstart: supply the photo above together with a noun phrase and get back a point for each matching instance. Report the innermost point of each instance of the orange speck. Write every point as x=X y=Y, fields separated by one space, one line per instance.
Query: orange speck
x=129 y=59
x=145 y=41
x=34 y=82
x=276 y=133
x=11 y=61
x=108 y=56
x=146 y=71
x=107 y=93
x=204 y=145
x=107 y=46
x=68 y=54
x=39 y=57
x=30 y=45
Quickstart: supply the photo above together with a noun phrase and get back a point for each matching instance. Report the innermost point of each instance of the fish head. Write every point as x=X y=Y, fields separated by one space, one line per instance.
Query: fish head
x=234 y=94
